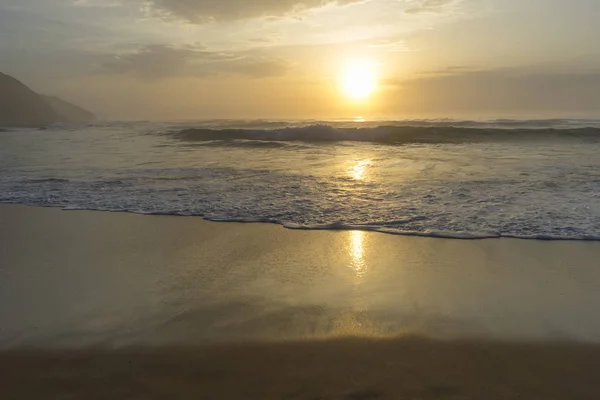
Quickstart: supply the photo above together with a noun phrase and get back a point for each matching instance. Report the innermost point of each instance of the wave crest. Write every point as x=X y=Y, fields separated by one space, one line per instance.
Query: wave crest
x=381 y=134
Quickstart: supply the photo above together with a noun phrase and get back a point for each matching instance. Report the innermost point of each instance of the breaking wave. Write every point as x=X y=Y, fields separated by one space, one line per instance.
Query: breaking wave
x=381 y=134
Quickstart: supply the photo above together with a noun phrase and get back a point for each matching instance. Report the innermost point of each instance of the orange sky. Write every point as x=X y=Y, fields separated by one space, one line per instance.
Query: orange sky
x=167 y=59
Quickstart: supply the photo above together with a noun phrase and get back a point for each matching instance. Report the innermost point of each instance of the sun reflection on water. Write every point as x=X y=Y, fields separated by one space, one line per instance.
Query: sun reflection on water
x=357 y=253
x=359 y=170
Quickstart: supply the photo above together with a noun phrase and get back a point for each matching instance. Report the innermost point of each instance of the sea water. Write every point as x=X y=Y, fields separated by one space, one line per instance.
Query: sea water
x=449 y=178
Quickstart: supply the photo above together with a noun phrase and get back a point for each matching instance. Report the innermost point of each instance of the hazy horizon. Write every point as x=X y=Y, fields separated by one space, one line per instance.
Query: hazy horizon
x=211 y=59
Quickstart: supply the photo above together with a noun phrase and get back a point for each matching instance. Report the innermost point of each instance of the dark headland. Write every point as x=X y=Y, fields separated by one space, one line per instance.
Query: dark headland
x=22 y=107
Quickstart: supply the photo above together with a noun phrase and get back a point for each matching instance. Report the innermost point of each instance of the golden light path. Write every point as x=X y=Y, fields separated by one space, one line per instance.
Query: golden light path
x=359 y=170
x=357 y=253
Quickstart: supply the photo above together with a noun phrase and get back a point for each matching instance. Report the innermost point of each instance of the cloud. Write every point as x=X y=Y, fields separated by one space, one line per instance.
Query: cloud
x=390 y=45
x=96 y=3
x=268 y=38
x=422 y=6
x=255 y=67
x=452 y=70
x=161 y=61
x=201 y=11
x=498 y=91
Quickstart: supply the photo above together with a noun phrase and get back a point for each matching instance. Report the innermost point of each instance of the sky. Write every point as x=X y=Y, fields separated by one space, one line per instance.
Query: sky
x=192 y=59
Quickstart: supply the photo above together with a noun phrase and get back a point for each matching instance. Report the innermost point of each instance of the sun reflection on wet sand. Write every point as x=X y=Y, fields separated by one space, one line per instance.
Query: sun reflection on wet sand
x=357 y=253
x=359 y=170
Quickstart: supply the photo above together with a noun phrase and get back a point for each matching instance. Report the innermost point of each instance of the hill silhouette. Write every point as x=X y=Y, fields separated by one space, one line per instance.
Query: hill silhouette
x=22 y=107
x=68 y=112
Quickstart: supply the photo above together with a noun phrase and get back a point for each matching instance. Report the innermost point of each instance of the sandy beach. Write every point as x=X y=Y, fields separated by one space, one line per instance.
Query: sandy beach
x=107 y=305
x=350 y=369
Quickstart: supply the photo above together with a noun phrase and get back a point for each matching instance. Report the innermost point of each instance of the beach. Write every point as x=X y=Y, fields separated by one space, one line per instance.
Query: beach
x=349 y=369
x=299 y=200
x=117 y=305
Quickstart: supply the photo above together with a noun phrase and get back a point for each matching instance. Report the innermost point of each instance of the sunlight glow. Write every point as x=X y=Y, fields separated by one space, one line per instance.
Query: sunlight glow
x=358 y=80
x=359 y=170
x=357 y=253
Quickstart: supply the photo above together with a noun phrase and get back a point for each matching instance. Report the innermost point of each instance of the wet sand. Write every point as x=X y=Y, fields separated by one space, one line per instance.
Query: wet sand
x=103 y=305
x=408 y=368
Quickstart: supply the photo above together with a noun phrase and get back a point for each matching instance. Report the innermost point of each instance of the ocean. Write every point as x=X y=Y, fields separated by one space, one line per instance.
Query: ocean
x=534 y=179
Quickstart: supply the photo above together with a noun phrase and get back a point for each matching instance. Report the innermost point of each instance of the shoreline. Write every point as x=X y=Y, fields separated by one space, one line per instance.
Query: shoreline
x=327 y=227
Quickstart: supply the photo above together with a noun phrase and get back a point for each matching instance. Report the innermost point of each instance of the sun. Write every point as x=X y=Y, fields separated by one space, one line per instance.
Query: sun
x=358 y=80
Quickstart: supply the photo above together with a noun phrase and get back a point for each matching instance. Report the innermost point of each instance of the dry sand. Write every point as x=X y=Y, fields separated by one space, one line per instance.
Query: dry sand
x=121 y=306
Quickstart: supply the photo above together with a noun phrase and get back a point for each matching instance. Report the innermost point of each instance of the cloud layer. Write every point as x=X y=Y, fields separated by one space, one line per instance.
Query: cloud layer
x=420 y=6
x=160 y=61
x=200 y=11
x=464 y=89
